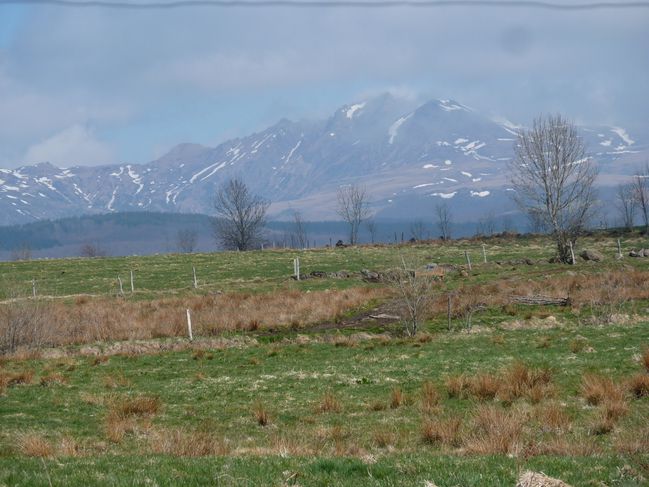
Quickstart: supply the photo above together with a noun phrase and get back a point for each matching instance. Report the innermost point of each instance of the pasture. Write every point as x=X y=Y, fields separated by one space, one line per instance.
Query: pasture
x=313 y=382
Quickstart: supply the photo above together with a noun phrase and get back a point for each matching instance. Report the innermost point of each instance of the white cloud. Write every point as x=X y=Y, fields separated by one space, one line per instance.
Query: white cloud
x=75 y=145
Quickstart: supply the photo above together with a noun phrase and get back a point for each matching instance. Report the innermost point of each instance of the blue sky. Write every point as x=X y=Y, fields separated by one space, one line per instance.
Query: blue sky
x=93 y=86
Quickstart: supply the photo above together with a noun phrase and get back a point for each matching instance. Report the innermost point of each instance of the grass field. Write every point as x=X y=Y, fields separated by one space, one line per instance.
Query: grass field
x=330 y=395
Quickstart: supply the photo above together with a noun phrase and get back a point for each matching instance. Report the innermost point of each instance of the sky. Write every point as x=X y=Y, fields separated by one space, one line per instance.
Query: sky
x=89 y=86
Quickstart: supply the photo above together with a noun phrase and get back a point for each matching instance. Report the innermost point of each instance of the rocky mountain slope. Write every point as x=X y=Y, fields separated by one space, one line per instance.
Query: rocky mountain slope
x=408 y=156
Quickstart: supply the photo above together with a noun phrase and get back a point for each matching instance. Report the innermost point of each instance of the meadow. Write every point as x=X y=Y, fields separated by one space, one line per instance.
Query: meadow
x=313 y=382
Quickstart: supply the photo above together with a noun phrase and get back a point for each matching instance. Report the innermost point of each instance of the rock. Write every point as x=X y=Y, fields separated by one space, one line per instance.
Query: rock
x=340 y=243
x=536 y=479
x=591 y=255
x=645 y=252
x=340 y=275
x=635 y=253
x=370 y=276
x=319 y=274
x=431 y=266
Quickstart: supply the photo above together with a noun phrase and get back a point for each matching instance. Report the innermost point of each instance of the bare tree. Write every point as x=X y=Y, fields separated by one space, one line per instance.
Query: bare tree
x=89 y=249
x=22 y=252
x=372 y=228
x=444 y=218
x=415 y=289
x=353 y=209
x=553 y=176
x=641 y=193
x=536 y=221
x=626 y=204
x=240 y=216
x=186 y=240
x=299 y=231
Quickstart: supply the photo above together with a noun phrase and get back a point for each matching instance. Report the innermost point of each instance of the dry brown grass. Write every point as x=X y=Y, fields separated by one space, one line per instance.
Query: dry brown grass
x=638 y=385
x=34 y=445
x=383 y=438
x=124 y=407
x=397 y=398
x=115 y=381
x=596 y=389
x=260 y=414
x=180 y=443
x=377 y=405
x=457 y=386
x=108 y=319
x=552 y=417
x=446 y=432
x=329 y=403
x=10 y=379
x=429 y=397
x=496 y=431
x=484 y=386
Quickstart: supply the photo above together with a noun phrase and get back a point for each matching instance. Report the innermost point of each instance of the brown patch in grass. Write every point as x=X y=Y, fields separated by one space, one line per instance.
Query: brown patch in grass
x=378 y=405
x=397 y=398
x=553 y=417
x=446 y=432
x=596 y=389
x=383 y=438
x=644 y=359
x=329 y=403
x=125 y=407
x=496 y=431
x=429 y=397
x=457 y=386
x=34 y=445
x=638 y=385
x=115 y=381
x=484 y=386
x=180 y=443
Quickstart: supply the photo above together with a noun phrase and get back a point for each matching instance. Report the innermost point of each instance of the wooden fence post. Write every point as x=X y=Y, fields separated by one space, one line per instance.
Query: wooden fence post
x=33 y=288
x=468 y=259
x=572 y=253
x=132 y=283
x=121 y=288
x=619 y=249
x=195 y=280
x=484 y=254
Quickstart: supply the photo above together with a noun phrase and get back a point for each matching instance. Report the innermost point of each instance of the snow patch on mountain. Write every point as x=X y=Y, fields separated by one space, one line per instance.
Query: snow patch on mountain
x=446 y=196
x=480 y=194
x=353 y=109
x=394 y=128
x=623 y=135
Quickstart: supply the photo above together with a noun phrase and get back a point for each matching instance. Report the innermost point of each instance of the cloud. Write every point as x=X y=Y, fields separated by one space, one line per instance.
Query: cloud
x=76 y=145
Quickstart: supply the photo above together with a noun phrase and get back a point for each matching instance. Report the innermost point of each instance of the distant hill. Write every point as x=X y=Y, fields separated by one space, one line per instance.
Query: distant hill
x=142 y=233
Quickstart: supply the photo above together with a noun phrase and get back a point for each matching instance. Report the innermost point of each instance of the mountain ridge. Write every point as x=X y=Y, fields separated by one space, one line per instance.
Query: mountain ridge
x=410 y=156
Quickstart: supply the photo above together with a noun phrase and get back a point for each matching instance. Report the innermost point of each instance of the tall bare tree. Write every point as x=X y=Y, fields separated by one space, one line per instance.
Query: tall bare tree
x=353 y=208
x=299 y=231
x=641 y=193
x=626 y=204
x=186 y=239
x=444 y=220
x=553 y=176
x=240 y=216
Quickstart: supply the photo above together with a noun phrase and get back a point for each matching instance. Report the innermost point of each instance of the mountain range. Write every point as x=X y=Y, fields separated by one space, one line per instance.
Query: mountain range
x=409 y=156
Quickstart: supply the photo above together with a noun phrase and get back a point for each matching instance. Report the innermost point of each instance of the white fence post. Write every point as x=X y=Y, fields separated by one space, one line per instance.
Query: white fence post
x=195 y=280
x=619 y=249
x=34 y=288
x=189 y=325
x=572 y=253
x=468 y=259
x=484 y=254
x=132 y=283
x=121 y=287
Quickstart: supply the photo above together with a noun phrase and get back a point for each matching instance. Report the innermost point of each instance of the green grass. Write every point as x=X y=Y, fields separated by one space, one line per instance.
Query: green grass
x=214 y=392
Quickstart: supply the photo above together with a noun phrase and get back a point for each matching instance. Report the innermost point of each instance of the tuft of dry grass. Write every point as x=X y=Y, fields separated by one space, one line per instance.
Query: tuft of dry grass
x=260 y=414
x=596 y=389
x=638 y=385
x=115 y=381
x=34 y=445
x=496 y=431
x=124 y=407
x=552 y=417
x=484 y=386
x=377 y=405
x=329 y=403
x=180 y=443
x=429 y=397
x=446 y=432
x=397 y=398
x=644 y=359
x=457 y=386
x=383 y=438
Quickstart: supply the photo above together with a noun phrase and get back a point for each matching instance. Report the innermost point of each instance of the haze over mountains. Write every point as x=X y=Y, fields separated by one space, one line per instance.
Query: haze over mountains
x=409 y=156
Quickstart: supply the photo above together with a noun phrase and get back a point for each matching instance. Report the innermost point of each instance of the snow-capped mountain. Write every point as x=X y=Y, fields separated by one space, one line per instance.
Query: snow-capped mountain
x=409 y=157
